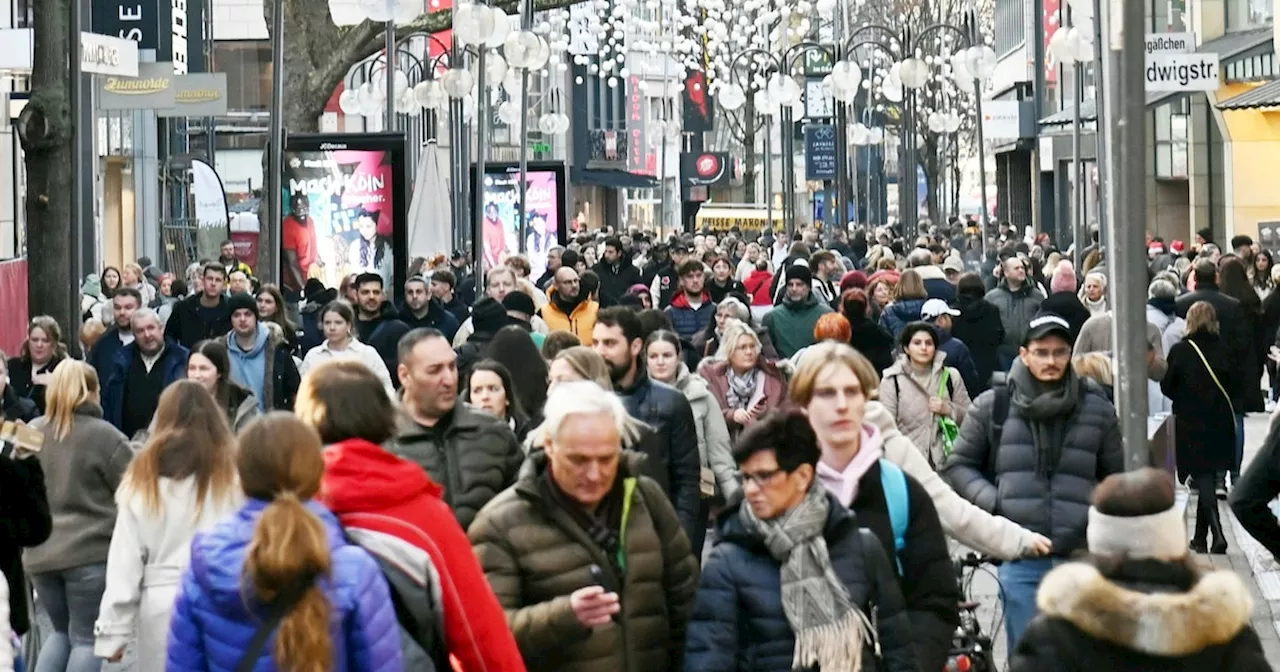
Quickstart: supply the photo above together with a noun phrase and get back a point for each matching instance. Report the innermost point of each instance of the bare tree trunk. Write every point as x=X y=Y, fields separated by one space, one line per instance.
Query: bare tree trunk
x=46 y=133
x=749 y=145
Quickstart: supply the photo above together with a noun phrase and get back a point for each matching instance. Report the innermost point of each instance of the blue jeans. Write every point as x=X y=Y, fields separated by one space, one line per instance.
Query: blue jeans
x=1235 y=466
x=71 y=598
x=1019 y=580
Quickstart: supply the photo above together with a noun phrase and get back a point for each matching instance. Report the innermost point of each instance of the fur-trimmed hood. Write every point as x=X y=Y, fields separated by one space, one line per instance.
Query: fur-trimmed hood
x=1211 y=613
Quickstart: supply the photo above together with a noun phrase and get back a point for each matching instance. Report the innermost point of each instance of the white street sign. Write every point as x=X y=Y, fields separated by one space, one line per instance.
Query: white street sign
x=1170 y=43
x=1000 y=119
x=1183 y=72
x=106 y=55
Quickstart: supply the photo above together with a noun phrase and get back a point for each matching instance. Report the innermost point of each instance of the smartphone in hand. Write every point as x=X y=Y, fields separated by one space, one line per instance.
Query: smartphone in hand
x=605 y=580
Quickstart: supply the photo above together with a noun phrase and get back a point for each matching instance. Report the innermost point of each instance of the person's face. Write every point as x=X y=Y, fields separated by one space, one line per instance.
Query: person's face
x=149 y=335
x=589 y=255
x=568 y=285
x=838 y=405
x=1048 y=358
x=301 y=208
x=111 y=279
x=416 y=295
x=560 y=371
x=664 y=361
x=370 y=294
x=201 y=370
x=228 y=251
x=881 y=294
x=1093 y=289
x=40 y=345
x=611 y=344
x=367 y=227
x=214 y=283
x=122 y=308
x=583 y=457
x=487 y=392
x=500 y=285
x=612 y=254
x=131 y=278
x=441 y=290
x=491 y=211
x=1261 y=263
x=238 y=283
x=753 y=252
x=1015 y=270
x=166 y=287
x=921 y=349
x=335 y=328
x=721 y=270
x=770 y=491
x=553 y=260
x=943 y=322
x=243 y=322
x=797 y=289
x=267 y=305
x=430 y=377
x=746 y=352
x=723 y=315
x=692 y=282
x=678 y=258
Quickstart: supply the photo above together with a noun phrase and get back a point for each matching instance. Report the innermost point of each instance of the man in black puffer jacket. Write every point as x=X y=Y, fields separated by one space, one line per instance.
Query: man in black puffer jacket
x=672 y=446
x=1032 y=450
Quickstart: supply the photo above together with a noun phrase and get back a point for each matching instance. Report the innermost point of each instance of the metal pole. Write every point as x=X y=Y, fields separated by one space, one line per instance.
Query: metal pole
x=1077 y=217
x=982 y=166
x=662 y=163
x=275 y=145
x=1103 y=151
x=526 y=23
x=79 y=172
x=768 y=169
x=391 y=71
x=788 y=172
x=482 y=140
x=1126 y=114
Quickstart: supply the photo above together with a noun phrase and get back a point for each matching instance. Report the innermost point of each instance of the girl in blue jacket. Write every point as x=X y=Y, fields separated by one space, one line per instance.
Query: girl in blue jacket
x=282 y=545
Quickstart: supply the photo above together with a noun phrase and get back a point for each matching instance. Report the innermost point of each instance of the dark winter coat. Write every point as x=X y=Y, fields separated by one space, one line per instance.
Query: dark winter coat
x=383 y=333
x=738 y=621
x=672 y=447
x=16 y=407
x=1016 y=310
x=959 y=357
x=471 y=453
x=874 y=342
x=720 y=292
x=214 y=619
x=24 y=521
x=173 y=363
x=535 y=554
x=900 y=313
x=790 y=325
x=688 y=322
x=772 y=390
x=1003 y=480
x=616 y=279
x=927 y=578
x=979 y=326
x=1204 y=422
x=104 y=352
x=438 y=317
x=1236 y=332
x=187 y=328
x=19 y=369
x=1140 y=616
x=1068 y=305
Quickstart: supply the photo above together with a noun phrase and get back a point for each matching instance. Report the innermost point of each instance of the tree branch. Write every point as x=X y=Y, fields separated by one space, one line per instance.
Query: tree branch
x=443 y=19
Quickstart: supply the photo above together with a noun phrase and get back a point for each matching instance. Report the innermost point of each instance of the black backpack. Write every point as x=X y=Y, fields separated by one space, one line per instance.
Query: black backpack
x=999 y=413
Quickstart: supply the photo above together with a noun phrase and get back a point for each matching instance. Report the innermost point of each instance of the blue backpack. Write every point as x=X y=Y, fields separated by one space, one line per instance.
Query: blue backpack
x=894 y=483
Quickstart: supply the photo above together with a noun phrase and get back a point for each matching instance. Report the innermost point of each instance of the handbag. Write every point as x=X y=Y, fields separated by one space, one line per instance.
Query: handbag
x=276 y=611
x=947 y=427
x=1213 y=375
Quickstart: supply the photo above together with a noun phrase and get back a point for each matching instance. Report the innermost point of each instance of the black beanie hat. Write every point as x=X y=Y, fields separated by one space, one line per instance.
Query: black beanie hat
x=488 y=315
x=799 y=272
x=243 y=300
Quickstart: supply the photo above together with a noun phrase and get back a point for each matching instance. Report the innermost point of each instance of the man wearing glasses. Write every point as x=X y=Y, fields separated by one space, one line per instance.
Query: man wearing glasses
x=1032 y=449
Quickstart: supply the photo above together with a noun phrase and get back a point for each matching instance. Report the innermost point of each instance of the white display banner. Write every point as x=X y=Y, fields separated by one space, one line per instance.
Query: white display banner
x=210 y=199
x=1001 y=119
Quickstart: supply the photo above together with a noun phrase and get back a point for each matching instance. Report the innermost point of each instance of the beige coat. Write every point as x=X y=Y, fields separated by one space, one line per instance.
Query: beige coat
x=908 y=402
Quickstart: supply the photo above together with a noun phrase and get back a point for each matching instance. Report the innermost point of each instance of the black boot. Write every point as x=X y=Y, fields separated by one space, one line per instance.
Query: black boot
x=1219 y=546
x=1198 y=543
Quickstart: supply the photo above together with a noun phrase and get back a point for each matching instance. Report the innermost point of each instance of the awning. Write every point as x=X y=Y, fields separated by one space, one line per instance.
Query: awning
x=1267 y=95
x=745 y=217
x=1088 y=112
x=614 y=179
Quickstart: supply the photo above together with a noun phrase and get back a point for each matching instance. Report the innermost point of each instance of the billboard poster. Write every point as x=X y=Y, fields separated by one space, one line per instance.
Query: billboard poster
x=344 y=206
x=544 y=212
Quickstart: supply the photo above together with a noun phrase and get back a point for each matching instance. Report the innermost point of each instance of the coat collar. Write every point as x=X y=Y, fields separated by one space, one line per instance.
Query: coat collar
x=1171 y=623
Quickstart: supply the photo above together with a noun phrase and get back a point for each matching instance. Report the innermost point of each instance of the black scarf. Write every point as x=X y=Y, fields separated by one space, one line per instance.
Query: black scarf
x=1047 y=408
x=604 y=525
x=1163 y=304
x=566 y=306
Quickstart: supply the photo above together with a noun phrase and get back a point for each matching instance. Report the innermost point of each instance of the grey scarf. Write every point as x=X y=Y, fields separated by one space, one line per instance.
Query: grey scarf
x=1046 y=407
x=830 y=630
x=741 y=388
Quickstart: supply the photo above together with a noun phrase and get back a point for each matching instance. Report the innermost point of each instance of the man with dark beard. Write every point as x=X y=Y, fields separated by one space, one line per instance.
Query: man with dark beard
x=569 y=308
x=672 y=446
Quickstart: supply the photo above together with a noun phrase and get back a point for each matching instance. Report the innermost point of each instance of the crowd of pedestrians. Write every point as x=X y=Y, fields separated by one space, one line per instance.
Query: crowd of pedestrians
x=703 y=453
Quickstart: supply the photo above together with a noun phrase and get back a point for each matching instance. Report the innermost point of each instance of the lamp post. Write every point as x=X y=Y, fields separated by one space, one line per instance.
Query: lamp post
x=1073 y=46
x=975 y=66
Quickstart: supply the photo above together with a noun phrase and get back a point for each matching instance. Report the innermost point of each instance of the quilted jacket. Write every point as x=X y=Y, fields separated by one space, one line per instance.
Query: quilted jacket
x=213 y=622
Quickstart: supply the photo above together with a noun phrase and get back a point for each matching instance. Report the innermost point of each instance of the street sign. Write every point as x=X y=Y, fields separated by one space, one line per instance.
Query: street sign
x=817 y=62
x=820 y=152
x=543 y=147
x=1170 y=43
x=1001 y=119
x=1183 y=72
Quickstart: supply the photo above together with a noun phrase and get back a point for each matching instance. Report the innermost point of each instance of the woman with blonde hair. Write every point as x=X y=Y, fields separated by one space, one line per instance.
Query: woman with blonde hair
x=280 y=571
x=131 y=276
x=745 y=384
x=907 y=302
x=579 y=363
x=30 y=371
x=84 y=458
x=182 y=482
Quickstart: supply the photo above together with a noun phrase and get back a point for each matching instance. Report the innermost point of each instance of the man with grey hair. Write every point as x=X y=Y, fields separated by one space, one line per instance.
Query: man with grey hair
x=140 y=372
x=936 y=284
x=1162 y=314
x=579 y=593
x=553 y=265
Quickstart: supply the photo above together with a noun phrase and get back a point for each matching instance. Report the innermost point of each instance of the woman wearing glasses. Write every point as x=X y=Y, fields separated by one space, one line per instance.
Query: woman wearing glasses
x=746 y=385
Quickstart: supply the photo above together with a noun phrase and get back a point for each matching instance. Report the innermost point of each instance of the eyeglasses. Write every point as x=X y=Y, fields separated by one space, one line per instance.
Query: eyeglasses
x=760 y=478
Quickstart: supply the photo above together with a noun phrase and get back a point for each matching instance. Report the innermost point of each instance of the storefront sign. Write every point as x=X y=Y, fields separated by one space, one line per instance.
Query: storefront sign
x=106 y=55
x=704 y=169
x=172 y=27
x=199 y=95
x=1001 y=119
x=137 y=20
x=820 y=152
x=152 y=89
x=637 y=159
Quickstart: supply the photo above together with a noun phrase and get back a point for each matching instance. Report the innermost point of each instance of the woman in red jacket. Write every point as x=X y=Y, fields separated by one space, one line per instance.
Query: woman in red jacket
x=393 y=509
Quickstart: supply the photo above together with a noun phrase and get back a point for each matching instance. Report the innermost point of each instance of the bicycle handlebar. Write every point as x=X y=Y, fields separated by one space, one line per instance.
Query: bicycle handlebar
x=973 y=560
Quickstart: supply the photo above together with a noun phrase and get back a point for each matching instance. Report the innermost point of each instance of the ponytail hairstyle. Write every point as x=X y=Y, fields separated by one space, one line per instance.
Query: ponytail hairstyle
x=280 y=462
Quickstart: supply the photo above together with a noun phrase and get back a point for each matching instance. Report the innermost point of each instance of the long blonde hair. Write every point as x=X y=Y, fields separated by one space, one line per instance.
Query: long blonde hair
x=74 y=384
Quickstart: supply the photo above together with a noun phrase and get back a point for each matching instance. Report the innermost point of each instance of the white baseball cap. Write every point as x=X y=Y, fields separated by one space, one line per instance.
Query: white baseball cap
x=935 y=307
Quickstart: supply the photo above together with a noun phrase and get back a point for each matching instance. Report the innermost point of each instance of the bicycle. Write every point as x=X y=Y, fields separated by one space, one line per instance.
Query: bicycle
x=971 y=648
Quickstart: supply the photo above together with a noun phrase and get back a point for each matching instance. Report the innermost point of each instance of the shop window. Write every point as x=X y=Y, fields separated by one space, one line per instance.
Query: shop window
x=1171 y=141
x=1010 y=25
x=248 y=67
x=1246 y=14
